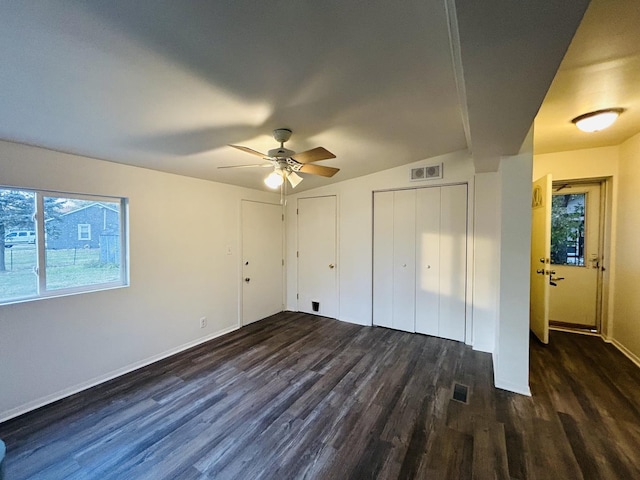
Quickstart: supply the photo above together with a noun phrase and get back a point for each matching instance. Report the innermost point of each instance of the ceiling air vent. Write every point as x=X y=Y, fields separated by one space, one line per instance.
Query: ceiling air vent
x=428 y=172
x=417 y=173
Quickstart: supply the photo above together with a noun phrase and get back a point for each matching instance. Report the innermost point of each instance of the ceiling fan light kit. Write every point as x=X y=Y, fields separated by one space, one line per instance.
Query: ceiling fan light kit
x=286 y=163
x=274 y=179
x=598 y=120
x=294 y=179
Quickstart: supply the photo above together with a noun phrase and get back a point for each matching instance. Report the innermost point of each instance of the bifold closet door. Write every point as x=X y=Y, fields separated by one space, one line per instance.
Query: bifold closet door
x=383 y=259
x=453 y=262
x=394 y=260
x=420 y=260
x=428 y=260
x=404 y=260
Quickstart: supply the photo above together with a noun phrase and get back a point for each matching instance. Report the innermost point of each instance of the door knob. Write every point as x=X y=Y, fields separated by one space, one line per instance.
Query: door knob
x=540 y=271
x=247 y=279
x=331 y=265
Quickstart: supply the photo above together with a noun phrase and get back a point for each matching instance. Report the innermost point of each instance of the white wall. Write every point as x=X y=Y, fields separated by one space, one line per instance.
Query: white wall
x=179 y=232
x=511 y=356
x=486 y=270
x=577 y=164
x=626 y=304
x=355 y=213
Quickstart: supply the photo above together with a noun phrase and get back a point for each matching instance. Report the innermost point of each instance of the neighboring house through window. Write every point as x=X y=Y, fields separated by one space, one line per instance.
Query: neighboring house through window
x=77 y=243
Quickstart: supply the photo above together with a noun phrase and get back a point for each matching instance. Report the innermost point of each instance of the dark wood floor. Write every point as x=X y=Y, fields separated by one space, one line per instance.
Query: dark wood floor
x=297 y=396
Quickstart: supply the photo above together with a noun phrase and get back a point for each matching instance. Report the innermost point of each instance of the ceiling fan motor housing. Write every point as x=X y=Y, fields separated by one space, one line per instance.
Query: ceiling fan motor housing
x=281 y=152
x=282 y=135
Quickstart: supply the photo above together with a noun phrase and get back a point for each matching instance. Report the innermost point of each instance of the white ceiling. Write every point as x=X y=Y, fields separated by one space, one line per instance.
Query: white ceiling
x=168 y=85
x=601 y=70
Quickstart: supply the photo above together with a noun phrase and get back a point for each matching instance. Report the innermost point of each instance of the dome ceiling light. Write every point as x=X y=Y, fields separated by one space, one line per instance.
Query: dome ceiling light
x=598 y=120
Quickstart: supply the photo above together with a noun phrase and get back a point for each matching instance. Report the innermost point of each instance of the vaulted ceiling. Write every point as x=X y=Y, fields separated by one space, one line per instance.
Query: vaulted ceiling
x=168 y=85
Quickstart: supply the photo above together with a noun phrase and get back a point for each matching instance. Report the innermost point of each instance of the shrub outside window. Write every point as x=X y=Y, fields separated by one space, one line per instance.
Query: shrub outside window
x=54 y=244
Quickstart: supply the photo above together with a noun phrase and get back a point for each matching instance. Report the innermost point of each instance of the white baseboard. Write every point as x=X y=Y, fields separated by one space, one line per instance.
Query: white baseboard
x=483 y=347
x=627 y=353
x=506 y=385
x=356 y=321
x=40 y=402
x=512 y=387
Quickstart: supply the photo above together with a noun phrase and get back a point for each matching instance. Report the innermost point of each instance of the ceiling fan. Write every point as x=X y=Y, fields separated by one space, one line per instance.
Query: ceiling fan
x=287 y=163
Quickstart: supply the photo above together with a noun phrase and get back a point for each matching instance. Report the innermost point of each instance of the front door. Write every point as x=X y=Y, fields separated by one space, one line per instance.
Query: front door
x=317 y=266
x=262 y=264
x=540 y=257
x=575 y=255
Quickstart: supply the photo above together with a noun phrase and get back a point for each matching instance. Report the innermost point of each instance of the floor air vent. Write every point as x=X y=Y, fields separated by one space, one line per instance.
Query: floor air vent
x=460 y=392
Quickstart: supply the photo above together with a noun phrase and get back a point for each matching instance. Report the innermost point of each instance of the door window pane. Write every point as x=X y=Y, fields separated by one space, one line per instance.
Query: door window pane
x=18 y=253
x=567 y=229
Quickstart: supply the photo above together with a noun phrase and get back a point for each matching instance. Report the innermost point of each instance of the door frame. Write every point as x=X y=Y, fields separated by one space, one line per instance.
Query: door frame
x=604 y=248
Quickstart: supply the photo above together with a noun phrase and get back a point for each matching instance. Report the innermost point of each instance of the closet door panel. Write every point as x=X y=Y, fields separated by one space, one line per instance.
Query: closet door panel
x=383 y=259
x=428 y=260
x=453 y=261
x=404 y=260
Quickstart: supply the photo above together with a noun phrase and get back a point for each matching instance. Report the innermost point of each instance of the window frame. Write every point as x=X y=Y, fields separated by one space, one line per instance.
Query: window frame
x=40 y=269
x=80 y=231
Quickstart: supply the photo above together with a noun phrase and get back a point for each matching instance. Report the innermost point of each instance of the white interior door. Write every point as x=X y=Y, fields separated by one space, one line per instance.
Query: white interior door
x=575 y=256
x=540 y=257
x=317 y=265
x=262 y=260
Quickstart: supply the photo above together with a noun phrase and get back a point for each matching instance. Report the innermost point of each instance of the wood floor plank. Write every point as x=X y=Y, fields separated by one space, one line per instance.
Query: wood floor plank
x=300 y=396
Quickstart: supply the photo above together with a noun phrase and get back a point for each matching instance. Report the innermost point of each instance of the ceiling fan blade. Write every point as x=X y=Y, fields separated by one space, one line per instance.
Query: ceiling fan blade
x=319 y=170
x=313 y=155
x=249 y=150
x=257 y=165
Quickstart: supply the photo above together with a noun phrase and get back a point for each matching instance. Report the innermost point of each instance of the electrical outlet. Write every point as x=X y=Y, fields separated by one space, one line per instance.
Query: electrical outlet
x=203 y=322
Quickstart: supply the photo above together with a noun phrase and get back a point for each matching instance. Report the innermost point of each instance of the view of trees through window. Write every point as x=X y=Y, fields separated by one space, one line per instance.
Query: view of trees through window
x=17 y=229
x=567 y=229
x=81 y=248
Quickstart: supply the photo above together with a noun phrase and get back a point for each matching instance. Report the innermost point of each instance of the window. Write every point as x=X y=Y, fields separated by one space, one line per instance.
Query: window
x=567 y=229
x=77 y=244
x=84 y=231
